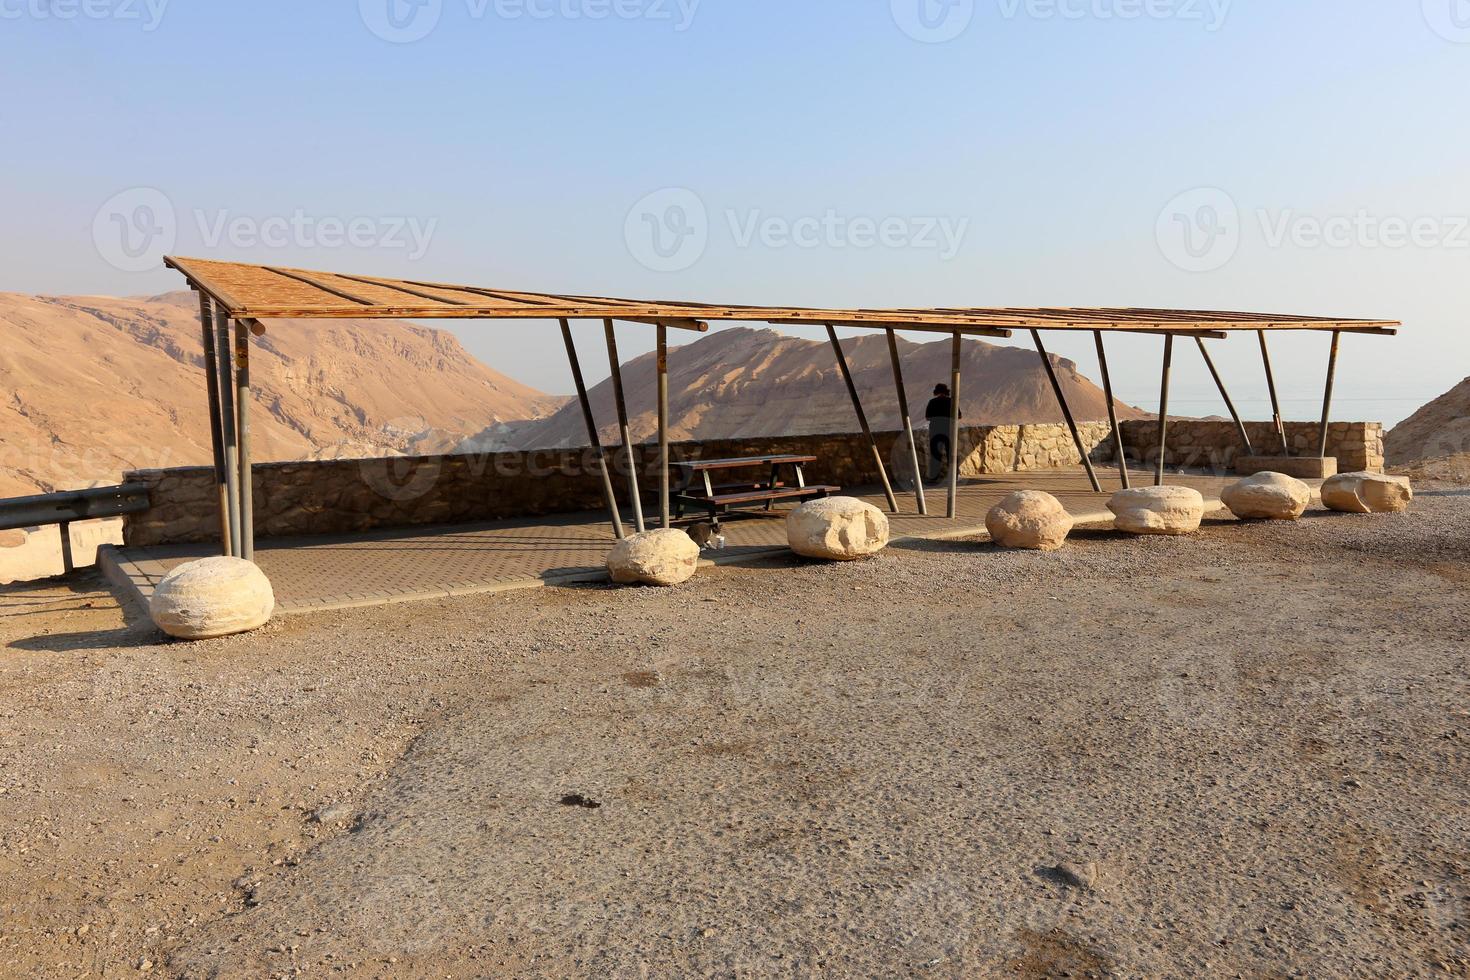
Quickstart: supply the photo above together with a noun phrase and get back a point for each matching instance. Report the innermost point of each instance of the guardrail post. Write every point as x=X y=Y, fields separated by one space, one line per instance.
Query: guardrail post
x=68 y=564
x=228 y=427
x=242 y=421
x=216 y=427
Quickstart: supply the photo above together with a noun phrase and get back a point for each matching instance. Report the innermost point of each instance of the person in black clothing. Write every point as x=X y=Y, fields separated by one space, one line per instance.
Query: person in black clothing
x=940 y=437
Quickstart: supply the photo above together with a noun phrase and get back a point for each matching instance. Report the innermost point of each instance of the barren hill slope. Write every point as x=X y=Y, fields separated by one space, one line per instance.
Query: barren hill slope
x=1438 y=430
x=744 y=382
x=94 y=385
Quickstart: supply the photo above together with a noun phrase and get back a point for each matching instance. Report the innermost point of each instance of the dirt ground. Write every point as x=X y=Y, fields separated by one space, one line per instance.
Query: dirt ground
x=1260 y=736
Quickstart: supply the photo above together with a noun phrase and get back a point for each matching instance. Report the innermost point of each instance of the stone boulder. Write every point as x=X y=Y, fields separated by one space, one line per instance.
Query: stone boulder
x=837 y=529
x=1029 y=519
x=662 y=557
x=1368 y=493
x=212 y=597
x=1158 y=510
x=1267 y=496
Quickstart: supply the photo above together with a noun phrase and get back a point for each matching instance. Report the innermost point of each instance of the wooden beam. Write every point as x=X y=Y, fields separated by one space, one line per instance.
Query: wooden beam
x=608 y=496
x=862 y=417
x=908 y=422
x=1056 y=387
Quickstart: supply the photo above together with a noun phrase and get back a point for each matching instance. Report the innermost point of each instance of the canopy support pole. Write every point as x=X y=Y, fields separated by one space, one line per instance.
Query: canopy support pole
x=1107 y=380
x=607 y=488
x=1276 y=416
x=228 y=425
x=908 y=422
x=242 y=422
x=1229 y=402
x=1164 y=409
x=216 y=437
x=663 y=427
x=956 y=353
x=862 y=417
x=1056 y=387
x=617 y=379
x=1327 y=397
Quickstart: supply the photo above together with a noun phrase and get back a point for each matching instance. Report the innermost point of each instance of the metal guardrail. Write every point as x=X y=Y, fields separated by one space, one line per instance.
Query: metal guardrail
x=46 y=509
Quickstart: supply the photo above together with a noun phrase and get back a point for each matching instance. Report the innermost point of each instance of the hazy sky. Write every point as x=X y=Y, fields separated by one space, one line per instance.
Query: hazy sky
x=1258 y=154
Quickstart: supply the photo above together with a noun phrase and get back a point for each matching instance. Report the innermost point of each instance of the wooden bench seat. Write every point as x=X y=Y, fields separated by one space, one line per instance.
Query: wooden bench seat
x=760 y=496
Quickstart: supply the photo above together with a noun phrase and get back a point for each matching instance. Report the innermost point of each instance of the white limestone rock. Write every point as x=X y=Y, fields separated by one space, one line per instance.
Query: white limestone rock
x=1029 y=519
x=1368 y=493
x=837 y=529
x=1158 y=510
x=212 y=597
x=1267 y=496
x=663 y=557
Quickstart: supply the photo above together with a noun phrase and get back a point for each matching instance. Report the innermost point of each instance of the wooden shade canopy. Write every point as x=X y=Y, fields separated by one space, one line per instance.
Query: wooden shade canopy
x=241 y=295
x=253 y=292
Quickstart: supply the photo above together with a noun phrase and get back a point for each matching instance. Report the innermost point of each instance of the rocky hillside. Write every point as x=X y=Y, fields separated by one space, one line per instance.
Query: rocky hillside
x=1438 y=430
x=1434 y=442
x=744 y=382
x=93 y=386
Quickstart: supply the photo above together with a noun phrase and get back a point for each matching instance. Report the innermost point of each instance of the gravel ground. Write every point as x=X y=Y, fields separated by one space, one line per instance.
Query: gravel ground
x=1241 y=753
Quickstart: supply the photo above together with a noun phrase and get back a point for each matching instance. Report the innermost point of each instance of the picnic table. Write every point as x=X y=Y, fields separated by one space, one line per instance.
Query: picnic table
x=697 y=487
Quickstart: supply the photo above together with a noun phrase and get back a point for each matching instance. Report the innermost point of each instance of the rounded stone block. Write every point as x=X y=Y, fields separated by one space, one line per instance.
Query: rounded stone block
x=1031 y=520
x=1368 y=493
x=664 y=557
x=837 y=529
x=1267 y=496
x=1158 y=510
x=212 y=597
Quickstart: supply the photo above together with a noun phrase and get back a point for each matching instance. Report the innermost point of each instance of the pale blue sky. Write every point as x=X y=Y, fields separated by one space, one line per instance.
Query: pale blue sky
x=516 y=136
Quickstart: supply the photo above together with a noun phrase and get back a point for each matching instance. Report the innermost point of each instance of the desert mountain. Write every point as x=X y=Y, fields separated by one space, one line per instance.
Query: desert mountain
x=96 y=385
x=743 y=382
x=1440 y=431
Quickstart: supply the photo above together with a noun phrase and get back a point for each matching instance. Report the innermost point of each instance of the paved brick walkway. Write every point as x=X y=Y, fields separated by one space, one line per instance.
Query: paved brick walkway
x=380 y=567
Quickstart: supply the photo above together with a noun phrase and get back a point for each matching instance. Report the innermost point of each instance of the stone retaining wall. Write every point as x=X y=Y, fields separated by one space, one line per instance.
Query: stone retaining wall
x=344 y=496
x=1213 y=444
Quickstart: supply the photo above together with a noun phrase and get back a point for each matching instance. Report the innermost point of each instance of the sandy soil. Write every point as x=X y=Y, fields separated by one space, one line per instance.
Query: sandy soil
x=1259 y=735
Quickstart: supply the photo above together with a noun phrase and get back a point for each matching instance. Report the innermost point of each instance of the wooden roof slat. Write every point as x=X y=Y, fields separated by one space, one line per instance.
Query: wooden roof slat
x=299 y=277
x=247 y=291
x=400 y=287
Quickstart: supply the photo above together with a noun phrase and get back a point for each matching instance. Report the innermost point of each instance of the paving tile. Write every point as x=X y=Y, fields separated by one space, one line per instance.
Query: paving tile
x=378 y=567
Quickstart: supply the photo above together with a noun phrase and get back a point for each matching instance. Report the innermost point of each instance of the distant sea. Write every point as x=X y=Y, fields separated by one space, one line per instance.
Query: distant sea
x=1390 y=409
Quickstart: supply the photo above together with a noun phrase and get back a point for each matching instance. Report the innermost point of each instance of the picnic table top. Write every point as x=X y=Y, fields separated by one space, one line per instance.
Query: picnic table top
x=735 y=463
